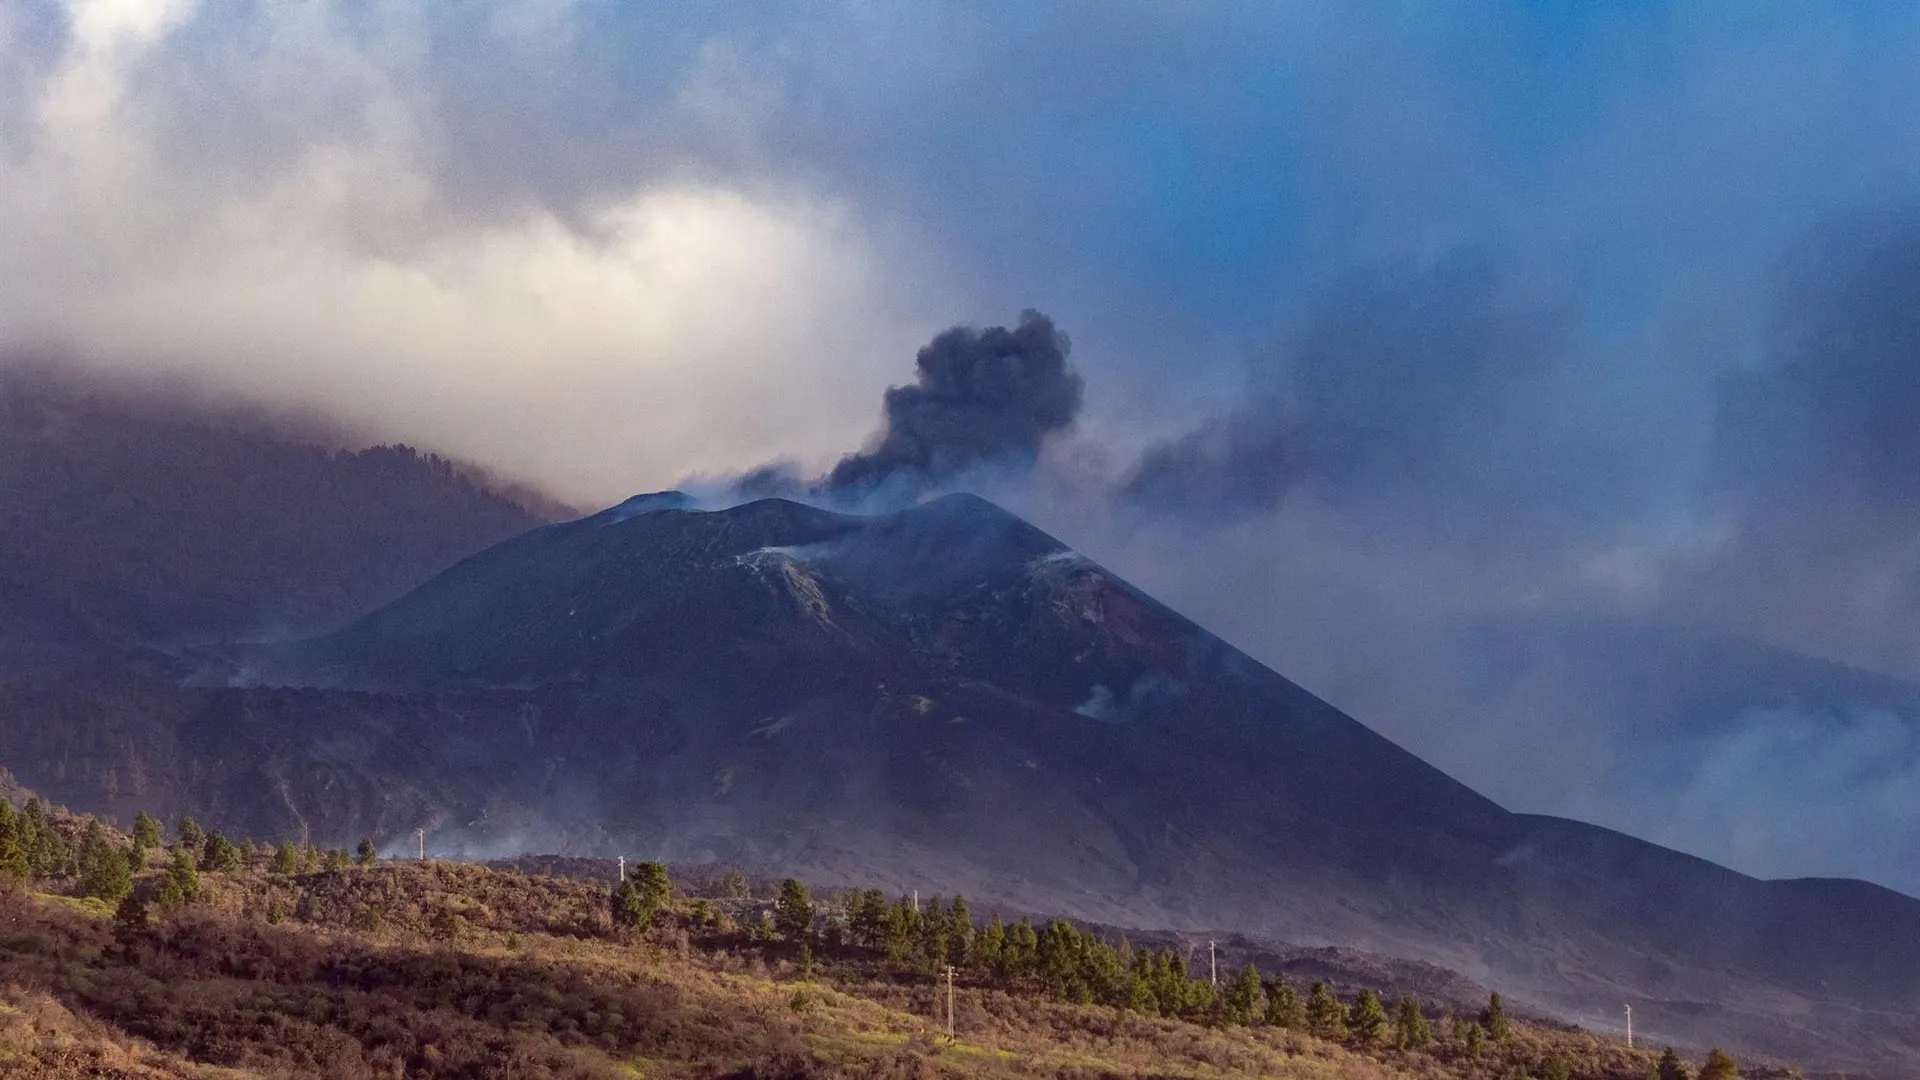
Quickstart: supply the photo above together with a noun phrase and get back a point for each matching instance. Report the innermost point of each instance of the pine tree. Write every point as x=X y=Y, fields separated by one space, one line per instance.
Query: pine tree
x=960 y=934
x=636 y=901
x=218 y=854
x=1410 y=1026
x=1200 y=1000
x=13 y=853
x=929 y=947
x=1140 y=997
x=1023 y=948
x=1156 y=968
x=654 y=885
x=336 y=859
x=286 y=860
x=1326 y=1017
x=1670 y=1067
x=146 y=832
x=990 y=952
x=1179 y=995
x=46 y=849
x=1059 y=955
x=1103 y=977
x=794 y=920
x=130 y=920
x=181 y=885
x=1285 y=1009
x=1246 y=1001
x=1368 y=1017
x=192 y=836
x=1719 y=1067
x=168 y=896
x=903 y=930
x=366 y=853
x=867 y=919
x=1475 y=1040
x=13 y=861
x=1494 y=1019
x=104 y=873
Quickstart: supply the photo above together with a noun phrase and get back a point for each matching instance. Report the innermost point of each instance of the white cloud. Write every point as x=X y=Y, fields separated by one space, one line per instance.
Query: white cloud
x=107 y=36
x=300 y=247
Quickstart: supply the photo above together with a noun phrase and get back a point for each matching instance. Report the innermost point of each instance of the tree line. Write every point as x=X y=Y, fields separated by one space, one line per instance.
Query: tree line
x=40 y=845
x=1070 y=964
x=1060 y=960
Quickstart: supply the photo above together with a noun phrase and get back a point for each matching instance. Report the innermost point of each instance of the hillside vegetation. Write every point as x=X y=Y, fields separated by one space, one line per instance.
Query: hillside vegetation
x=130 y=525
x=120 y=957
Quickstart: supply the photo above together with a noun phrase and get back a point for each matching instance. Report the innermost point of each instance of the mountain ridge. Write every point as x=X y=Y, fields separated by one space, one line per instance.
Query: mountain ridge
x=133 y=530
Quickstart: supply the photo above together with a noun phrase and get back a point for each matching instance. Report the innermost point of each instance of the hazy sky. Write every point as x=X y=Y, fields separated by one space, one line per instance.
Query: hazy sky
x=1425 y=316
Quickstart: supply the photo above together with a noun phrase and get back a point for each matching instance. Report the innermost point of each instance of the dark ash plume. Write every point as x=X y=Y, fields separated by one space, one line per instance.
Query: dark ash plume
x=1232 y=468
x=1400 y=382
x=776 y=480
x=984 y=398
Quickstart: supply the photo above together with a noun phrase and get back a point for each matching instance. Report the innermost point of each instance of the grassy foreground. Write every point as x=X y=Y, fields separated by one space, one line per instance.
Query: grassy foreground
x=454 y=970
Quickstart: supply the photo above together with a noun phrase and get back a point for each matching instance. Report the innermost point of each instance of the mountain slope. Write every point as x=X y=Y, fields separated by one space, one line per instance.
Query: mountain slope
x=126 y=527
x=1738 y=751
x=949 y=697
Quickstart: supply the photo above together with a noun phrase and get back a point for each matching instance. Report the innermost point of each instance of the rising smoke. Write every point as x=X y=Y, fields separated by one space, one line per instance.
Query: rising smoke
x=1402 y=381
x=982 y=399
x=983 y=403
x=1480 y=547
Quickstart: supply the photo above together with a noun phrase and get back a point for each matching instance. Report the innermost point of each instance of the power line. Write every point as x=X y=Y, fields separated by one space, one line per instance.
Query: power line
x=949 y=1002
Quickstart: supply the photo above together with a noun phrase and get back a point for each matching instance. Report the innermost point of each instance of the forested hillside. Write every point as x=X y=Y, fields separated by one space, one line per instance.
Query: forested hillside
x=128 y=525
x=157 y=954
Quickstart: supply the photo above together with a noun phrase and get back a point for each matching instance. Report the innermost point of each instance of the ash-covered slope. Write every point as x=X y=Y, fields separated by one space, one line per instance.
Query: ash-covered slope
x=763 y=620
x=949 y=698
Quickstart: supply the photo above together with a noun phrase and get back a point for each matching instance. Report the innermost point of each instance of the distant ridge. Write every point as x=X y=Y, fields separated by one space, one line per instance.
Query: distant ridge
x=127 y=528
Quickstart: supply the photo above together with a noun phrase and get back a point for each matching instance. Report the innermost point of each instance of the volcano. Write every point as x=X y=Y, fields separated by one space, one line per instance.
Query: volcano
x=946 y=698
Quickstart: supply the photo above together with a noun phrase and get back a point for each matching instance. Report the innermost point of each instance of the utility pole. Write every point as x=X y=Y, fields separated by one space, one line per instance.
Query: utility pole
x=949 y=1002
x=422 y=834
x=1629 y=1027
x=916 y=901
x=1213 y=964
x=623 y=868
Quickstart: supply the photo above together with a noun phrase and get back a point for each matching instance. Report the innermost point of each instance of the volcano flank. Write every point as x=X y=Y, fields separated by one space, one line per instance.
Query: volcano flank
x=946 y=697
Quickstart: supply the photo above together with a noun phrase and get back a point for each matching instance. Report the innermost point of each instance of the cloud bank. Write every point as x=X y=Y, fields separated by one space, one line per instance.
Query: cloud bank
x=288 y=203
